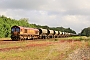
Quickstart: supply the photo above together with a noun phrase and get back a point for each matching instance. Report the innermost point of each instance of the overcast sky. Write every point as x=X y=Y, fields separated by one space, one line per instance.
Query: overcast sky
x=74 y=14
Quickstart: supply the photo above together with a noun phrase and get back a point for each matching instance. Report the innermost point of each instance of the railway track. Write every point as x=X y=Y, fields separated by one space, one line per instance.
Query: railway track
x=6 y=41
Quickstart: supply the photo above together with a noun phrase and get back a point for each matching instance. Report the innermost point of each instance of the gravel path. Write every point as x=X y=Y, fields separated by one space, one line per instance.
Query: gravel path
x=80 y=54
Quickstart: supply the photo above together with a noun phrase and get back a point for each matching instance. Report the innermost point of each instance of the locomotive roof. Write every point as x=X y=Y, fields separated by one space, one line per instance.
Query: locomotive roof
x=24 y=27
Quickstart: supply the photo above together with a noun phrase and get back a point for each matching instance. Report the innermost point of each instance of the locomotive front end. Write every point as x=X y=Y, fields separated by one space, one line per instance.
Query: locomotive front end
x=15 y=31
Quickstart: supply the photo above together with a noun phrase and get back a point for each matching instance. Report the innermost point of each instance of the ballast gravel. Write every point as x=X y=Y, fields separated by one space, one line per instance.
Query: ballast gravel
x=80 y=54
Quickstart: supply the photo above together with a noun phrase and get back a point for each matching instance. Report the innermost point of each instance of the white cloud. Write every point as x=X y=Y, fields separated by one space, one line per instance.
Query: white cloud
x=73 y=13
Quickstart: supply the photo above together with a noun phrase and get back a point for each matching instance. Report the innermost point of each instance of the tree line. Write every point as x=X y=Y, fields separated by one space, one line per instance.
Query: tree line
x=7 y=23
x=85 y=32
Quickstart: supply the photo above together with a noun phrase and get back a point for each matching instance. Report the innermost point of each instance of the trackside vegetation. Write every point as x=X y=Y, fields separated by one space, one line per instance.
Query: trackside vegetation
x=85 y=32
x=7 y=23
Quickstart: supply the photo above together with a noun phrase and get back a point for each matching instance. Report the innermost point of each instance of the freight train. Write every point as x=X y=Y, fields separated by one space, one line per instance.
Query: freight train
x=25 y=33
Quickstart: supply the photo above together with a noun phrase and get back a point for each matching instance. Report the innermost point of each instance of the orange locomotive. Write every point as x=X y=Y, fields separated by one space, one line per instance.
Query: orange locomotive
x=22 y=33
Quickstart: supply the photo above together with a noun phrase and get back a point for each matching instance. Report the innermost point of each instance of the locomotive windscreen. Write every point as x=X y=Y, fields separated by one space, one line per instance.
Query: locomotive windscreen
x=15 y=29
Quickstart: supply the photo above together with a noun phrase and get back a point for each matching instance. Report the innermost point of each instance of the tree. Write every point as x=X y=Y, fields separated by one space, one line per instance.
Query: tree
x=24 y=19
x=85 y=32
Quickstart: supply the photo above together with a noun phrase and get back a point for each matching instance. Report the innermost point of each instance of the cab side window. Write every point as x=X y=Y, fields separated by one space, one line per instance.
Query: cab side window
x=25 y=31
x=21 y=30
x=36 y=32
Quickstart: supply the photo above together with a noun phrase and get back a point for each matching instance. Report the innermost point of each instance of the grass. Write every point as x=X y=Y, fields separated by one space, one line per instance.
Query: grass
x=55 y=51
x=51 y=52
x=13 y=44
x=36 y=53
x=21 y=43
